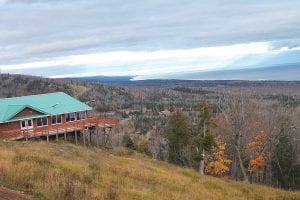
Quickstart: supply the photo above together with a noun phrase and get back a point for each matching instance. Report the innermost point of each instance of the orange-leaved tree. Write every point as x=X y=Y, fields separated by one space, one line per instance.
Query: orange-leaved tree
x=220 y=163
x=257 y=152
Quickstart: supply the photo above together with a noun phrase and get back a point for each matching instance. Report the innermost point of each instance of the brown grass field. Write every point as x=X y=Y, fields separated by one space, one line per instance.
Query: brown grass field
x=66 y=171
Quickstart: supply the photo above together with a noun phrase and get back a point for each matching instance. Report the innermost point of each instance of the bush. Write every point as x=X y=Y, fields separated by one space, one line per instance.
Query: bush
x=128 y=142
x=143 y=148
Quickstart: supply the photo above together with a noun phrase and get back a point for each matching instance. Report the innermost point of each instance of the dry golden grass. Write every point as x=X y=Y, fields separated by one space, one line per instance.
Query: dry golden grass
x=65 y=171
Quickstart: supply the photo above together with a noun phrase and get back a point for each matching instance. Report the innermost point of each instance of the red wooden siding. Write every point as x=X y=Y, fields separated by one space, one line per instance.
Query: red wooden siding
x=13 y=129
x=27 y=111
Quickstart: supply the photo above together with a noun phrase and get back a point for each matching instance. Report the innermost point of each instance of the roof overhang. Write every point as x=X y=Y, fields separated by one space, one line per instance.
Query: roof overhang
x=26 y=117
x=12 y=116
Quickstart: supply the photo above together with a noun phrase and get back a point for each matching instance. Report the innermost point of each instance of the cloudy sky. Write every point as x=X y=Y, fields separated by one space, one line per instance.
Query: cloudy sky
x=149 y=38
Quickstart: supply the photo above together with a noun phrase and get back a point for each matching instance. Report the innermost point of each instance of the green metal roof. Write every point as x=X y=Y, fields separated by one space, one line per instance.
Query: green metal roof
x=27 y=117
x=47 y=104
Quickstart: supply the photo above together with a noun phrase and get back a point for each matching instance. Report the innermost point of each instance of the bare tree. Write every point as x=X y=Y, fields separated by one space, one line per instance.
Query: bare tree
x=233 y=108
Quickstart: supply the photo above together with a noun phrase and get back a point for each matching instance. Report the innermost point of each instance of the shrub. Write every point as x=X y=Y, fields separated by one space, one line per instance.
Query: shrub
x=128 y=142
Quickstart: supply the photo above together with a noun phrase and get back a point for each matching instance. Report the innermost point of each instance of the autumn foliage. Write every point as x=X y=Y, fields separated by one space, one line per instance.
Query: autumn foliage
x=257 y=152
x=220 y=162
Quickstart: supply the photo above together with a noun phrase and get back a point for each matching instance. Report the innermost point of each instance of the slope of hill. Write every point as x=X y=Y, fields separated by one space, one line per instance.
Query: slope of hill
x=65 y=171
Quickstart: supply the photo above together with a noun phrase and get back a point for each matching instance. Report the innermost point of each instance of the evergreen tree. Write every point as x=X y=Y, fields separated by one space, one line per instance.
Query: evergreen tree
x=203 y=139
x=283 y=163
x=128 y=142
x=284 y=159
x=177 y=134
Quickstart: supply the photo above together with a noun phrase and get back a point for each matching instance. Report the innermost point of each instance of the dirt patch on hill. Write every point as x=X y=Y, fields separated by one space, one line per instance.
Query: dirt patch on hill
x=6 y=194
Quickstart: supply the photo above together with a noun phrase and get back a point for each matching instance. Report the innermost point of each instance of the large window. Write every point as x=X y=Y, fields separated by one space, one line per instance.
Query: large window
x=81 y=115
x=29 y=123
x=43 y=121
x=56 y=119
x=70 y=117
x=26 y=124
x=23 y=124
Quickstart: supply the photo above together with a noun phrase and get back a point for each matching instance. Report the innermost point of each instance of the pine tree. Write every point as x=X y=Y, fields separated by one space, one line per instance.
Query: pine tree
x=203 y=138
x=177 y=135
x=283 y=162
x=128 y=142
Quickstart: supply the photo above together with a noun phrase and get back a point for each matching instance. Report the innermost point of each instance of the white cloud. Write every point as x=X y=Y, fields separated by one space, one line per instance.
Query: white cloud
x=144 y=62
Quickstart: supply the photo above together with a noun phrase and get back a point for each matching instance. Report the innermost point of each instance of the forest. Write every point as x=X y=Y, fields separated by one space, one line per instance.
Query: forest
x=247 y=131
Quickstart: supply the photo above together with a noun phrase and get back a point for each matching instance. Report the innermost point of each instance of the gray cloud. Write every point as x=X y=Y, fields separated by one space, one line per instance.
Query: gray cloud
x=36 y=1
x=38 y=29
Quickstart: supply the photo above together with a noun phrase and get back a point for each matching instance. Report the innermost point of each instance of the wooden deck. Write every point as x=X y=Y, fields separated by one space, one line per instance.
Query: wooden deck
x=62 y=128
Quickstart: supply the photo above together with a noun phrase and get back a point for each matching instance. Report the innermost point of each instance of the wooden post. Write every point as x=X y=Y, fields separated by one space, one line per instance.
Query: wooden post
x=47 y=136
x=89 y=137
x=110 y=136
x=76 y=136
x=83 y=137
x=65 y=134
x=97 y=138
x=104 y=138
x=56 y=135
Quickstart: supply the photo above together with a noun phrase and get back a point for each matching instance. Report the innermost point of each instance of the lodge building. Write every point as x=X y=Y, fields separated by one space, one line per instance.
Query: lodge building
x=44 y=115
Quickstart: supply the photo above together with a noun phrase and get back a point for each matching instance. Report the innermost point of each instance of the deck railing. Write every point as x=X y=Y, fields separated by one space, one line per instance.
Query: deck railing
x=54 y=129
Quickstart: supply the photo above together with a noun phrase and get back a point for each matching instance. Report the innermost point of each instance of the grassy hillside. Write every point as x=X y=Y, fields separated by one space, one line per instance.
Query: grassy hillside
x=66 y=171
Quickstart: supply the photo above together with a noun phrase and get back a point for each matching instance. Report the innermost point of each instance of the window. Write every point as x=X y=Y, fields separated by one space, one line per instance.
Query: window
x=53 y=119
x=43 y=121
x=67 y=117
x=73 y=117
x=70 y=117
x=29 y=123
x=56 y=119
x=81 y=115
x=23 y=124
x=39 y=122
x=26 y=124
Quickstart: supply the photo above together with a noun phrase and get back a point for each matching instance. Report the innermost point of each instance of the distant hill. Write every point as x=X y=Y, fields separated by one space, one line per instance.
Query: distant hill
x=104 y=79
x=65 y=171
x=288 y=72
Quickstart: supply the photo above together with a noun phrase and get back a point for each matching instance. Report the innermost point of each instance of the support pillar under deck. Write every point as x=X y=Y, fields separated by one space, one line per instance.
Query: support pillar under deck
x=89 y=137
x=83 y=137
x=76 y=137
x=97 y=137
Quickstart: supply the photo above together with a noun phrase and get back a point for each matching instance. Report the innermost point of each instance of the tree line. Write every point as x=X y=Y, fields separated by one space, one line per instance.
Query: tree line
x=246 y=140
